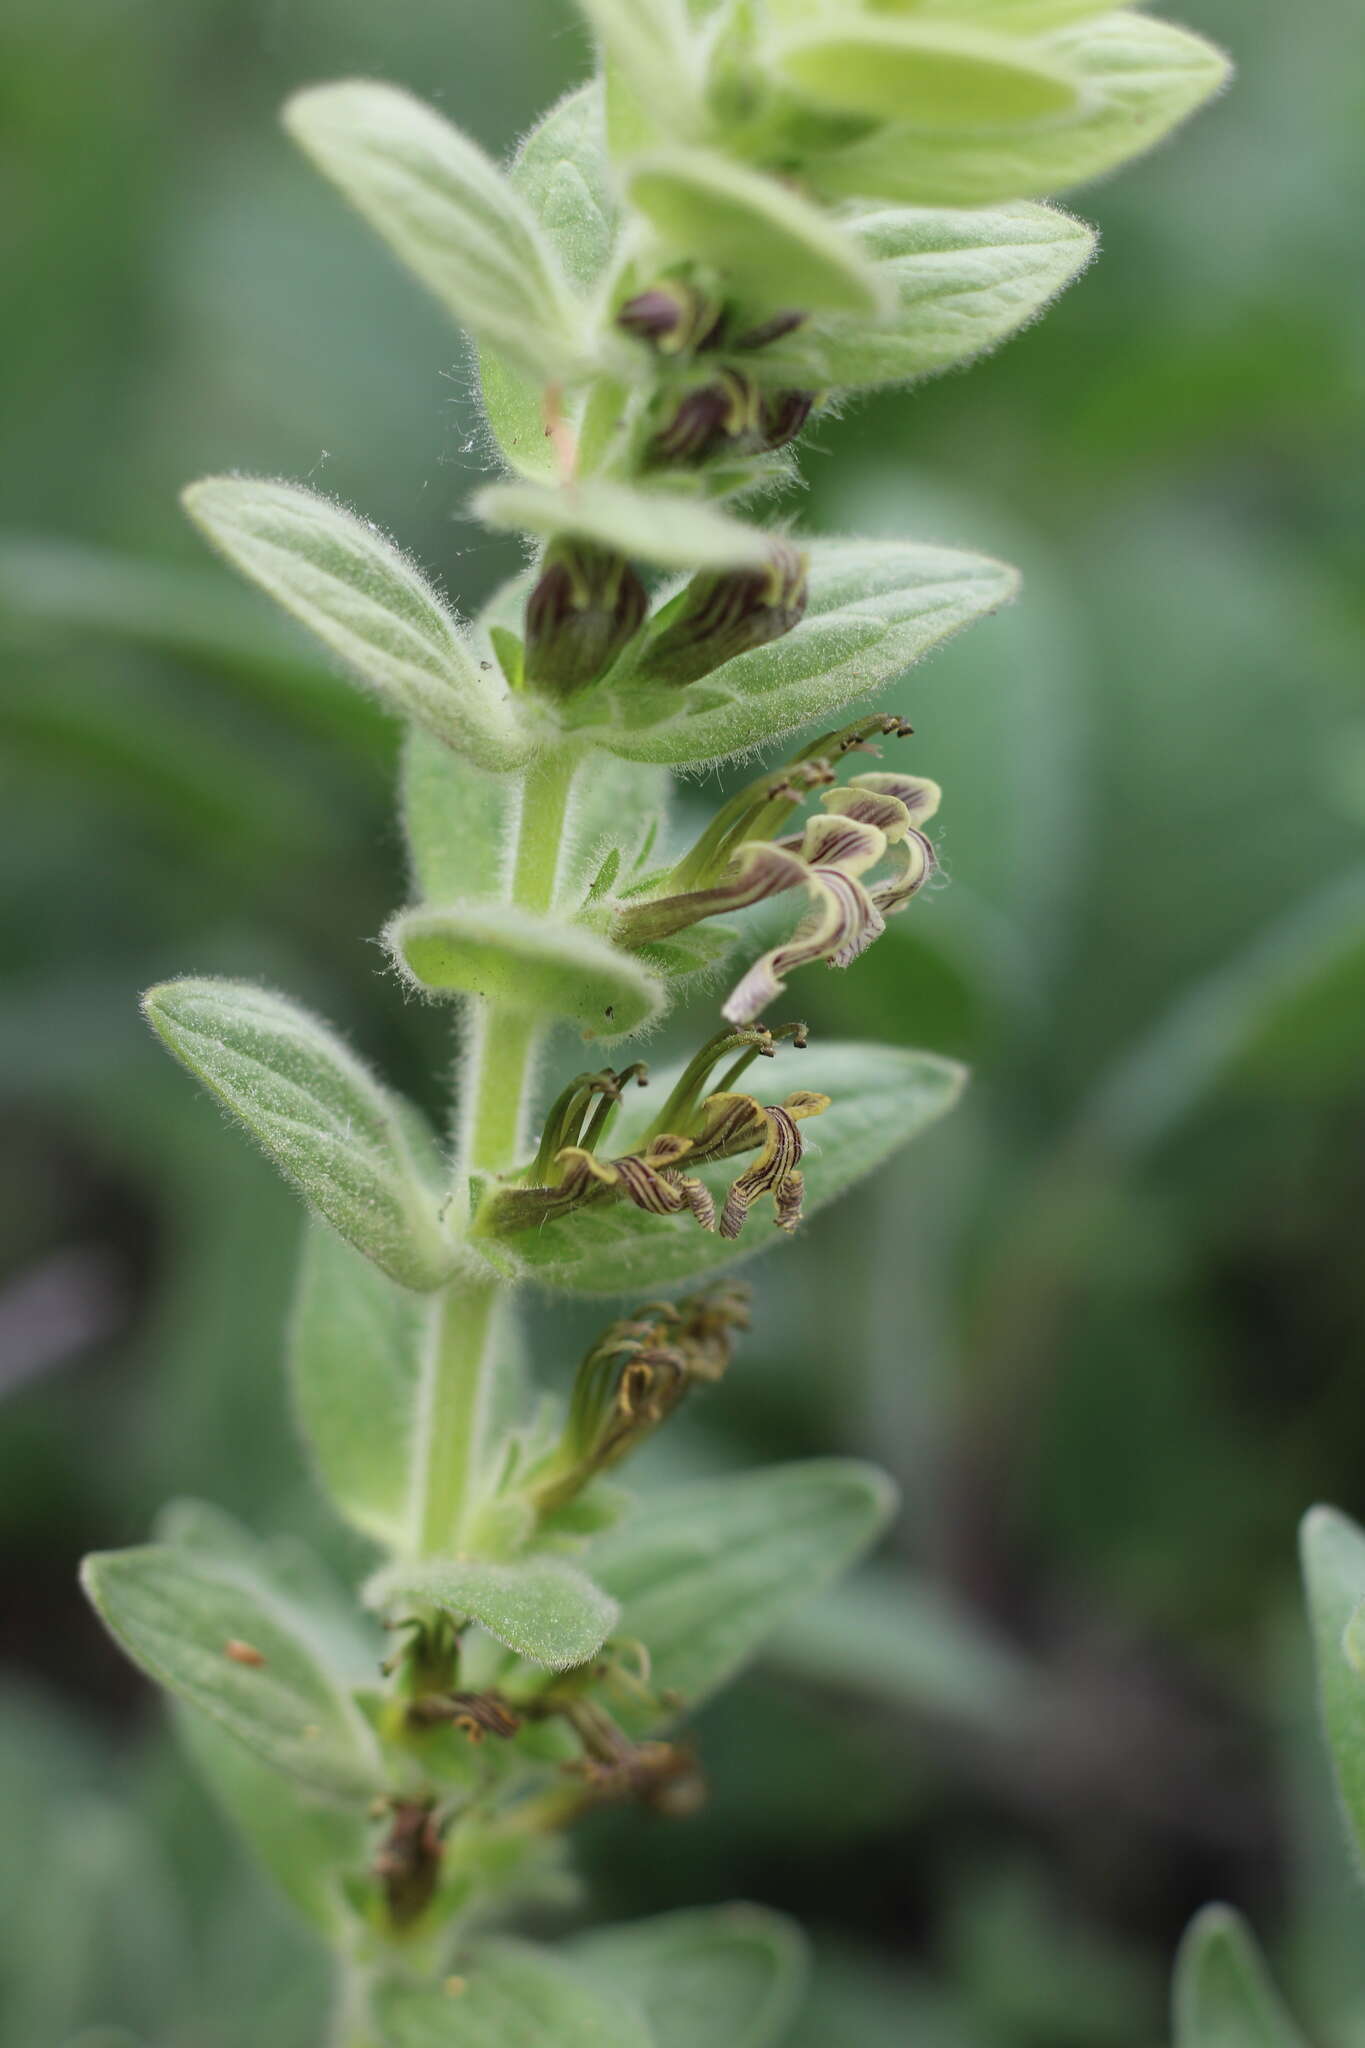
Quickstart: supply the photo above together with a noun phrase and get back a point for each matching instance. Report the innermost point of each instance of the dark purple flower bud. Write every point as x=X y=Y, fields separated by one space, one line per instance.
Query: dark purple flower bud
x=586 y=605
x=728 y=612
x=671 y=317
x=782 y=416
x=709 y=418
x=775 y=329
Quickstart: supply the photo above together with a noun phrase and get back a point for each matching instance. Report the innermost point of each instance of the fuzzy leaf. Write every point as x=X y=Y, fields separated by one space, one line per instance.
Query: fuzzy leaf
x=962 y=283
x=1332 y=1548
x=447 y=212
x=524 y=962
x=1139 y=79
x=176 y=1612
x=1022 y=17
x=560 y=171
x=875 y=607
x=1224 y=1997
x=457 y=820
x=304 y=1843
x=511 y=1996
x=938 y=75
x=650 y=526
x=707 y=1573
x=727 y=1974
x=651 y=44
x=368 y=604
x=355 y=1343
x=541 y=1607
x=755 y=229
x=319 y=1114
x=881 y=1098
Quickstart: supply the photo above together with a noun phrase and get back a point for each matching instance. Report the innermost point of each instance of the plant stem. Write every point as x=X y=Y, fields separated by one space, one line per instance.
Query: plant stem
x=453 y=1408
x=505 y=1041
x=461 y=1356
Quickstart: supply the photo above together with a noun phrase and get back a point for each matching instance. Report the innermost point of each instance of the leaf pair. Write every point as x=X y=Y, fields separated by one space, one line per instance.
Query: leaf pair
x=874 y=609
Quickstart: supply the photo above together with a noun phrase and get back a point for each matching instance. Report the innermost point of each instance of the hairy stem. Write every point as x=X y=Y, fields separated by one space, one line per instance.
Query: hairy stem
x=462 y=1344
x=504 y=1042
x=457 y=1375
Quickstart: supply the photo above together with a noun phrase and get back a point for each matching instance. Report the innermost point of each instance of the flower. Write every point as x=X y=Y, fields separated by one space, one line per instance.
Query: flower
x=736 y=1122
x=632 y=1379
x=658 y=1176
x=874 y=818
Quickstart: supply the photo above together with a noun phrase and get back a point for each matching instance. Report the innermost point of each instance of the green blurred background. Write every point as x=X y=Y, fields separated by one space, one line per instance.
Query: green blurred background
x=1106 y=1325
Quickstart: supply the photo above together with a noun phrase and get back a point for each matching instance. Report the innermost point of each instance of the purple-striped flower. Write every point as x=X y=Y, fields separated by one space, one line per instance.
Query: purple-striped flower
x=872 y=820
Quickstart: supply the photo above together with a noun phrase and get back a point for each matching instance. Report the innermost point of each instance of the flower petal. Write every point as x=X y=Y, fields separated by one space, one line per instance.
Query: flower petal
x=843 y=924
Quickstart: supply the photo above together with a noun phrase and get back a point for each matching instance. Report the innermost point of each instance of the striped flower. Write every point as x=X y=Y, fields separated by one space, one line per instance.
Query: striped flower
x=874 y=819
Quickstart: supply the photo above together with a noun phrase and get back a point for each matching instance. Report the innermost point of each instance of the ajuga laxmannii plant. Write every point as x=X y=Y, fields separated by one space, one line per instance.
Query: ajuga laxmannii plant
x=754 y=209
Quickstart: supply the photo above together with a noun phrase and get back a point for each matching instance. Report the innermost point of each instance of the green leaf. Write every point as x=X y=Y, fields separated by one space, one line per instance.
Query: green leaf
x=457 y=819
x=368 y=604
x=526 y=962
x=447 y=212
x=305 y=1844
x=1224 y=1997
x=1286 y=1011
x=880 y=1099
x=615 y=804
x=783 y=249
x=347 y=1639
x=936 y=75
x=961 y=281
x=652 y=44
x=560 y=171
x=1026 y=17
x=1332 y=1549
x=650 y=526
x=901 y=1639
x=176 y=1611
x=875 y=608
x=707 y=1573
x=728 y=1974
x=343 y=1141
x=511 y=1996
x=355 y=1342
x=1139 y=79
x=540 y=1607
